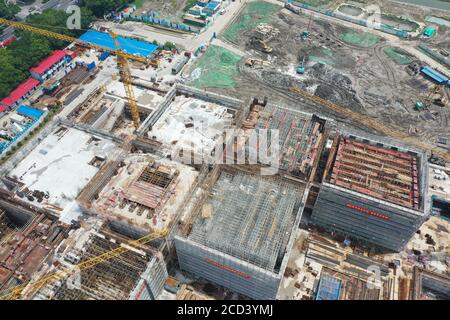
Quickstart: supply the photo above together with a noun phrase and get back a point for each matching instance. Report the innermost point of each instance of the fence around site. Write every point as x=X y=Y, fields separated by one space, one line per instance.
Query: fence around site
x=168 y=24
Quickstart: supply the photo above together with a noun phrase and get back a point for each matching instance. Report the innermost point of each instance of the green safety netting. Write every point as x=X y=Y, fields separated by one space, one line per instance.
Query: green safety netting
x=398 y=56
x=360 y=39
x=218 y=67
x=253 y=14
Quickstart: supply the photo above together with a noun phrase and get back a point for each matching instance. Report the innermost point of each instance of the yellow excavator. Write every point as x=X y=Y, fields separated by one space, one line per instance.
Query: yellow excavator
x=265 y=47
x=122 y=59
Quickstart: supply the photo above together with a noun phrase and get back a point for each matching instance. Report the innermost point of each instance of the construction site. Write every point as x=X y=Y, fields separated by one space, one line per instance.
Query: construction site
x=138 y=273
x=145 y=192
x=54 y=172
x=28 y=238
x=301 y=135
x=132 y=187
x=190 y=122
x=370 y=74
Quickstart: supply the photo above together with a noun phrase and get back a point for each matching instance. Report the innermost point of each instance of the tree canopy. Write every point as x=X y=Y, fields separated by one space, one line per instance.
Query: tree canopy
x=101 y=7
x=8 y=11
x=29 y=49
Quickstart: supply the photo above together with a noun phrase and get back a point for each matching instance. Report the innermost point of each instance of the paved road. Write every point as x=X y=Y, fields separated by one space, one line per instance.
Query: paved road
x=187 y=41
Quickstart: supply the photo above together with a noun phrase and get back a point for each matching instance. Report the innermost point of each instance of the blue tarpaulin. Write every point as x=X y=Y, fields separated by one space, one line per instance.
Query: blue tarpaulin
x=104 y=55
x=91 y=66
x=329 y=288
x=128 y=45
x=29 y=112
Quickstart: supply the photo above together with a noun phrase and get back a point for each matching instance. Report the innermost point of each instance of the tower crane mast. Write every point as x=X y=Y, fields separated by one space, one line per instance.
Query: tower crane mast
x=122 y=59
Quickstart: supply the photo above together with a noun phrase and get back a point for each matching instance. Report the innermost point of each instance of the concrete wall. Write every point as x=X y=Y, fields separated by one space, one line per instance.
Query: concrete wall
x=226 y=271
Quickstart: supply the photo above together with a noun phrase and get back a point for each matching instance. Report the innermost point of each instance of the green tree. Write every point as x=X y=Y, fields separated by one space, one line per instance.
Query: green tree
x=8 y=11
x=102 y=7
x=10 y=76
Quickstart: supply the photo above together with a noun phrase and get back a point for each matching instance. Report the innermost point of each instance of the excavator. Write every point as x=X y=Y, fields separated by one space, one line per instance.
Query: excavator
x=252 y=62
x=122 y=59
x=436 y=95
x=263 y=44
x=265 y=47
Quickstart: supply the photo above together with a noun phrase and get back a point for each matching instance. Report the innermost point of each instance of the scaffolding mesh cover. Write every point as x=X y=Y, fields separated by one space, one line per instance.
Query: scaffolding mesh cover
x=248 y=218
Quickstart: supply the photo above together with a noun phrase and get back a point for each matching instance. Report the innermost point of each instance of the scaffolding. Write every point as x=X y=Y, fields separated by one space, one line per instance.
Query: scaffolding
x=113 y=279
x=429 y=285
x=248 y=218
x=151 y=187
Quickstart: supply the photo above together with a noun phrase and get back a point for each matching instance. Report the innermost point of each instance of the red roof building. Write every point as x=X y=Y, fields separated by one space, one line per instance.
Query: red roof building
x=19 y=94
x=55 y=60
x=7 y=41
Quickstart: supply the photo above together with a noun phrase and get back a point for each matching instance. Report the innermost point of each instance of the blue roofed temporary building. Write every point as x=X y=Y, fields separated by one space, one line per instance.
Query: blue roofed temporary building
x=130 y=46
x=104 y=55
x=211 y=8
x=435 y=75
x=429 y=31
x=329 y=288
x=202 y=3
x=29 y=112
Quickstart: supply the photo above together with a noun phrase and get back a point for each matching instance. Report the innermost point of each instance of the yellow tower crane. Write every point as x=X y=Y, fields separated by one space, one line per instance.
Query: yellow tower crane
x=127 y=80
x=33 y=286
x=122 y=59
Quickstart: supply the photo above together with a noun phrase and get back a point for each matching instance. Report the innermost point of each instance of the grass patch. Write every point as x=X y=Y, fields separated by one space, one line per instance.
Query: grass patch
x=326 y=56
x=314 y=3
x=138 y=3
x=218 y=68
x=189 y=4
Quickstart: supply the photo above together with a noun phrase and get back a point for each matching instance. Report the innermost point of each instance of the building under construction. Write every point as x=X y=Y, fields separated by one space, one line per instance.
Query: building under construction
x=141 y=189
x=241 y=234
x=137 y=274
x=301 y=135
x=28 y=237
x=372 y=191
x=428 y=285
